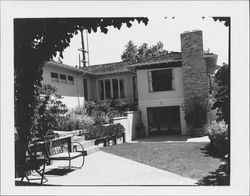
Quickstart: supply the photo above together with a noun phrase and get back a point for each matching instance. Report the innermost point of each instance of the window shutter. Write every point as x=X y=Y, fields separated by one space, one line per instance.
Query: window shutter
x=173 y=81
x=150 y=85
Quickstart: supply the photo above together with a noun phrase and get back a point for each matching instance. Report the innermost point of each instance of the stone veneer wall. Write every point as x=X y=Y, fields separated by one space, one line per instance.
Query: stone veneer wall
x=195 y=78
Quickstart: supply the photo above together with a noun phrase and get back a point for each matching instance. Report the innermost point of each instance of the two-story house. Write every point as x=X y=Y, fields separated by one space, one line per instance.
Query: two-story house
x=160 y=85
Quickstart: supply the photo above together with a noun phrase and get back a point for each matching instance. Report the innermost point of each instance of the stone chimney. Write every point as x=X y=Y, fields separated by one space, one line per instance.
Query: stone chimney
x=195 y=78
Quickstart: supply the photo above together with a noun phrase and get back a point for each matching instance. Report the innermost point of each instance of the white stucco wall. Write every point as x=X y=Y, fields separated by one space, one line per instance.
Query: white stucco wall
x=160 y=99
x=129 y=122
x=72 y=94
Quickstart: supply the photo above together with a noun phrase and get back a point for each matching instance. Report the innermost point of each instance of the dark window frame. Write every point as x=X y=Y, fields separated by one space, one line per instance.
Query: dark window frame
x=161 y=80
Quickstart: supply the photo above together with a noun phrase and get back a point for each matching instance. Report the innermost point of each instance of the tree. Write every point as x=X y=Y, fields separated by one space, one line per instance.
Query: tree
x=130 y=53
x=134 y=53
x=36 y=41
x=221 y=94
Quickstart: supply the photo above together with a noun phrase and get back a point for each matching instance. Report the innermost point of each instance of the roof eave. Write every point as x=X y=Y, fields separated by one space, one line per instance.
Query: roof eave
x=154 y=62
x=67 y=67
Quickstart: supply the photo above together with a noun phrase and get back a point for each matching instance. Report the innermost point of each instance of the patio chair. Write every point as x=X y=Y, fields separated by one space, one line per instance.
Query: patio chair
x=33 y=162
x=55 y=151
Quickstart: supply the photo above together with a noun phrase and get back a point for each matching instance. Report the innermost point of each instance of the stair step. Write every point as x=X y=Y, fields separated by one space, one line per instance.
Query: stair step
x=92 y=149
x=84 y=143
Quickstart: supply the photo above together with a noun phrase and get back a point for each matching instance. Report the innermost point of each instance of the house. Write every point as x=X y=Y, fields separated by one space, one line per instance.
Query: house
x=160 y=85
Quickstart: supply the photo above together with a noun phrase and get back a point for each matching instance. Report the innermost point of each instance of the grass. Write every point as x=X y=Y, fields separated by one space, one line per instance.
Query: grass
x=186 y=159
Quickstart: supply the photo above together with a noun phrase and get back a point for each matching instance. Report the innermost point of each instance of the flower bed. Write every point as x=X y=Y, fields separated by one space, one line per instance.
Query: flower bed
x=106 y=135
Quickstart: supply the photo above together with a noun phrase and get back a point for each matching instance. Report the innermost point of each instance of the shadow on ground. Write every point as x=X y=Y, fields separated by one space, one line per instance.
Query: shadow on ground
x=19 y=183
x=163 y=138
x=221 y=175
x=58 y=172
x=209 y=150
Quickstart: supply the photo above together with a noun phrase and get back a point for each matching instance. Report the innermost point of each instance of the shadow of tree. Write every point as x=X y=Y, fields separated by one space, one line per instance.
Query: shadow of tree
x=19 y=183
x=221 y=176
x=209 y=150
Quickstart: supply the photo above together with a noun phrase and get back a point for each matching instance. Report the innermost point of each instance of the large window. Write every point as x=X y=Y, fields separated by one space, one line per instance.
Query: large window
x=101 y=89
x=111 y=88
x=160 y=80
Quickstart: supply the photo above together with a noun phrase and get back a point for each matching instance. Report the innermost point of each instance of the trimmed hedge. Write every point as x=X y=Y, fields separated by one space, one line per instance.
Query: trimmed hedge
x=101 y=131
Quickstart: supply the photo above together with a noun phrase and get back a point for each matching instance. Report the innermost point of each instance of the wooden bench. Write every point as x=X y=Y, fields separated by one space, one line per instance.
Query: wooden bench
x=55 y=151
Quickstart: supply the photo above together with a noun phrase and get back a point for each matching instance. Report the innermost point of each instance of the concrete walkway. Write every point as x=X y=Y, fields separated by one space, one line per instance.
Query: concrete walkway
x=106 y=169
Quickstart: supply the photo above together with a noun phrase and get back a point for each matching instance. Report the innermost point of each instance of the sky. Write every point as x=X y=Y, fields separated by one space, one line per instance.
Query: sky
x=108 y=48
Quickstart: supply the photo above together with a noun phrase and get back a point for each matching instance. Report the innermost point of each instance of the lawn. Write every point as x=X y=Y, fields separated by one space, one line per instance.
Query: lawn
x=190 y=160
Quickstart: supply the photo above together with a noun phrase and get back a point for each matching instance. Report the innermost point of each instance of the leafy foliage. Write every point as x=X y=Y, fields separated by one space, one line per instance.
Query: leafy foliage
x=218 y=178
x=135 y=53
x=226 y=20
x=37 y=40
x=196 y=112
x=218 y=135
x=221 y=94
x=48 y=111
x=74 y=122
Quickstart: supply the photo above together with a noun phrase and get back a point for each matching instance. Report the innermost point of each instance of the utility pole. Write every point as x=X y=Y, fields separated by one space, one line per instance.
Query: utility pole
x=82 y=49
x=87 y=47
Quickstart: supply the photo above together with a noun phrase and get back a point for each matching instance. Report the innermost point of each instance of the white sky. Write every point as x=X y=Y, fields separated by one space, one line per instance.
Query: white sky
x=107 y=48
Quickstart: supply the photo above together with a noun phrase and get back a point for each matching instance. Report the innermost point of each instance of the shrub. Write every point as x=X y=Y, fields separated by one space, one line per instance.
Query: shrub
x=221 y=176
x=101 y=131
x=218 y=135
x=73 y=121
x=196 y=112
x=78 y=111
x=221 y=93
x=48 y=110
x=100 y=118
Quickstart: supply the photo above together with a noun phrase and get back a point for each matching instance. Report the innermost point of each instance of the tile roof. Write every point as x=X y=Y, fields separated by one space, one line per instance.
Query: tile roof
x=118 y=67
x=128 y=66
x=109 y=68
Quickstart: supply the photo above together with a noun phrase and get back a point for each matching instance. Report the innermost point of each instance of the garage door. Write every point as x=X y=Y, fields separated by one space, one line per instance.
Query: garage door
x=164 y=120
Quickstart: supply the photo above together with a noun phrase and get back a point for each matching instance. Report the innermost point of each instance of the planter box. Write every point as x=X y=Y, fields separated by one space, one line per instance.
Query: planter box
x=119 y=140
x=100 y=142
x=110 y=141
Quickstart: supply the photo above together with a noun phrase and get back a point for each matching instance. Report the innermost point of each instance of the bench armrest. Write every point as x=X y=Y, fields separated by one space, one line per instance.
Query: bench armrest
x=82 y=148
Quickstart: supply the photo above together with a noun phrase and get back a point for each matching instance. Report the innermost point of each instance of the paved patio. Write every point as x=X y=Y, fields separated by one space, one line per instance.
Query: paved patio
x=106 y=169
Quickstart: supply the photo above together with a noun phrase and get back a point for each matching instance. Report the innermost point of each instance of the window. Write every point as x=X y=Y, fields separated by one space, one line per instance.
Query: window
x=63 y=78
x=54 y=77
x=108 y=89
x=70 y=79
x=160 y=80
x=85 y=88
x=111 y=88
x=115 y=88
x=122 y=92
x=101 y=89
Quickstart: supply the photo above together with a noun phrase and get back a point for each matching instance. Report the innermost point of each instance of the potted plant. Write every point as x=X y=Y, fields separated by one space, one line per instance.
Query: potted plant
x=196 y=110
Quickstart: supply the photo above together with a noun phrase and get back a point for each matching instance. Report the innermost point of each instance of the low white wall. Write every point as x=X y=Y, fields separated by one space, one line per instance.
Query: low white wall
x=72 y=102
x=129 y=123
